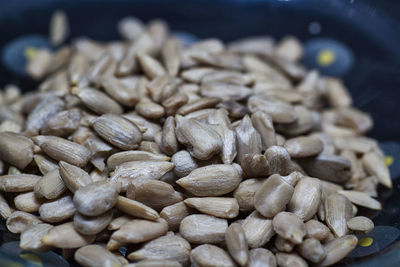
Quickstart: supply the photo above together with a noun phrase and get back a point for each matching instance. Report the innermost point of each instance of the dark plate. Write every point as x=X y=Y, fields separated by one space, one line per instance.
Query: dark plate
x=362 y=36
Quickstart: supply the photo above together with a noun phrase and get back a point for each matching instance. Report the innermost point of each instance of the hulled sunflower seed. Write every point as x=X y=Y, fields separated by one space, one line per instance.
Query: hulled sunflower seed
x=312 y=250
x=210 y=255
x=174 y=214
x=169 y=142
x=375 y=165
x=201 y=229
x=150 y=65
x=360 y=224
x=16 y=149
x=361 y=199
x=133 y=155
x=338 y=211
x=138 y=231
x=58 y=210
x=225 y=91
x=27 y=202
x=136 y=209
x=92 y=225
x=62 y=123
x=279 y=160
x=65 y=236
x=258 y=230
x=97 y=101
x=30 y=238
x=280 y=111
x=301 y=147
x=184 y=163
x=289 y=226
x=19 y=221
x=255 y=165
x=236 y=242
x=283 y=245
x=248 y=139
x=261 y=257
x=212 y=180
x=95 y=255
x=164 y=248
x=245 y=192
x=73 y=177
x=171 y=56
x=116 y=223
x=288 y=260
x=50 y=186
x=123 y=94
x=18 y=182
x=58 y=27
x=262 y=122
x=5 y=210
x=337 y=94
x=316 y=230
x=77 y=68
x=199 y=104
x=118 y=131
x=338 y=248
x=39 y=64
x=221 y=207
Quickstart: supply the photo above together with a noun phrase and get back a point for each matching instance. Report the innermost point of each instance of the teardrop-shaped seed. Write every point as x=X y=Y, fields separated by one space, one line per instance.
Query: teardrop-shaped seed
x=63 y=123
x=174 y=214
x=184 y=163
x=316 y=230
x=27 y=202
x=118 y=131
x=248 y=139
x=96 y=198
x=45 y=164
x=16 y=149
x=338 y=211
x=30 y=238
x=95 y=255
x=97 y=101
x=236 y=243
x=136 y=209
x=92 y=225
x=164 y=248
x=19 y=221
x=361 y=199
x=375 y=165
x=201 y=229
x=312 y=250
x=258 y=230
x=245 y=192
x=73 y=177
x=212 y=180
x=360 y=224
x=280 y=111
x=338 y=248
x=58 y=210
x=221 y=207
x=171 y=56
x=138 y=231
x=212 y=256
x=65 y=236
x=303 y=146
x=50 y=186
x=18 y=182
x=289 y=260
x=133 y=155
x=261 y=257
x=289 y=226
x=169 y=142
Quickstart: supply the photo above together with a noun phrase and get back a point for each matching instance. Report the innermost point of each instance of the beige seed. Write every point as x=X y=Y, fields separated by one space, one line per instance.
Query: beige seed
x=96 y=198
x=58 y=210
x=337 y=94
x=118 y=131
x=63 y=123
x=262 y=122
x=289 y=48
x=358 y=144
x=58 y=27
x=312 y=250
x=328 y=167
x=149 y=146
x=18 y=182
x=212 y=256
x=316 y=230
x=169 y=142
x=279 y=160
x=236 y=242
x=280 y=111
x=116 y=223
x=128 y=171
x=306 y=198
x=225 y=91
x=138 y=231
x=273 y=196
x=221 y=207
x=114 y=245
x=375 y=165
x=30 y=238
x=306 y=146
x=289 y=226
x=153 y=193
x=149 y=129
x=174 y=214
x=361 y=199
x=63 y=150
x=212 y=180
x=149 y=109
x=19 y=221
x=201 y=229
x=338 y=248
x=353 y=118
x=283 y=244
x=258 y=230
x=173 y=248
x=289 y=260
x=226 y=76
x=261 y=257
x=123 y=94
x=248 y=139
x=360 y=224
x=255 y=165
x=77 y=68
x=39 y=64
x=133 y=155
x=150 y=65
x=96 y=255
x=155 y=263
x=97 y=101
x=174 y=102
x=65 y=236
x=156 y=87
x=27 y=202
x=357 y=170
x=199 y=104
x=92 y=225
x=184 y=163
x=16 y=149
x=5 y=210
x=245 y=192
x=171 y=56
x=136 y=209
x=201 y=140
x=50 y=186
x=338 y=211
x=73 y=177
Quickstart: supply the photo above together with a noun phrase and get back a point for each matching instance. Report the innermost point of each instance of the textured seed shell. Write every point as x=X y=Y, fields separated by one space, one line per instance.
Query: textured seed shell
x=137 y=231
x=306 y=198
x=210 y=255
x=63 y=150
x=18 y=182
x=236 y=243
x=258 y=230
x=273 y=196
x=16 y=149
x=212 y=180
x=164 y=248
x=57 y=210
x=96 y=198
x=96 y=255
x=221 y=207
x=65 y=236
x=136 y=209
x=30 y=238
x=118 y=131
x=201 y=229
x=338 y=248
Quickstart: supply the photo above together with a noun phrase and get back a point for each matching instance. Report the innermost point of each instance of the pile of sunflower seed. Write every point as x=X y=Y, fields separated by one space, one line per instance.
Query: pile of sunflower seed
x=149 y=151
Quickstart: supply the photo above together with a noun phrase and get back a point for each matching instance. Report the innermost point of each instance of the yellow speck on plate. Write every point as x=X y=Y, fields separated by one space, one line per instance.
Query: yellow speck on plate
x=30 y=52
x=326 y=57
x=389 y=160
x=365 y=241
x=32 y=258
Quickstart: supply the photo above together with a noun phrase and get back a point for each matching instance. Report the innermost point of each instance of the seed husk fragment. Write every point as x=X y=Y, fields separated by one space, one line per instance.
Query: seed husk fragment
x=210 y=255
x=202 y=229
x=96 y=255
